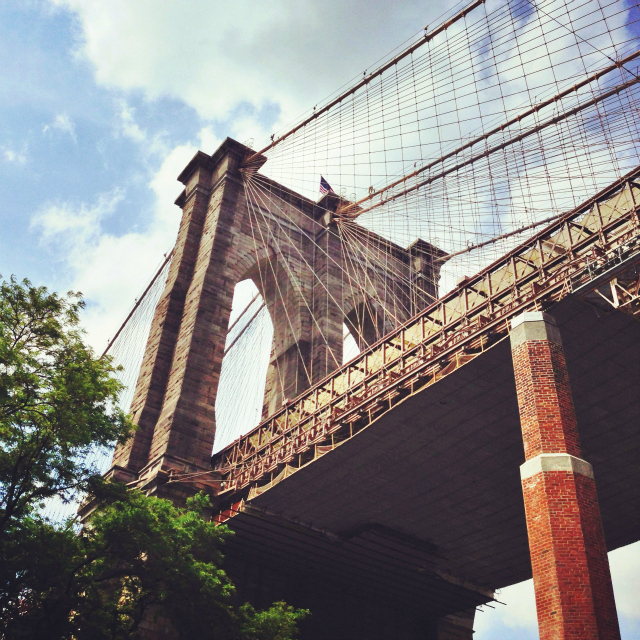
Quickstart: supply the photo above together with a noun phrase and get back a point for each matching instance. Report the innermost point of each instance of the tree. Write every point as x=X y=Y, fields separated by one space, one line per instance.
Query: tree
x=280 y=622
x=57 y=401
x=139 y=557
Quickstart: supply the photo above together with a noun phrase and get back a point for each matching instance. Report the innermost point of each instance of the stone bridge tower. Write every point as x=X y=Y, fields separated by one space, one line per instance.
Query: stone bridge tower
x=217 y=247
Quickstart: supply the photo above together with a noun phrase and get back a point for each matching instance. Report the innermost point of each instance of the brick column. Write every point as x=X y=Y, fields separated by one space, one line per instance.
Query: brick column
x=574 y=595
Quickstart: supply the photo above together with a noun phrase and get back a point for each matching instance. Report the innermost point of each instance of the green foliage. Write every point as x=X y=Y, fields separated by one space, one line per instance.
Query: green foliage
x=140 y=555
x=57 y=401
x=140 y=560
x=280 y=622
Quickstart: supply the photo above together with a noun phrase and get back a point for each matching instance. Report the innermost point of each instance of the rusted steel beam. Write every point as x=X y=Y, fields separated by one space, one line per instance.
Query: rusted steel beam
x=371 y=385
x=374 y=74
x=619 y=290
x=354 y=209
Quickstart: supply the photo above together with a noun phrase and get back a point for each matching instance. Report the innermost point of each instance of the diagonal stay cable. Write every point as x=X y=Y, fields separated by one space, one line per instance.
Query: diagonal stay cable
x=292 y=277
x=344 y=242
x=375 y=296
x=294 y=280
x=255 y=179
x=138 y=302
x=251 y=204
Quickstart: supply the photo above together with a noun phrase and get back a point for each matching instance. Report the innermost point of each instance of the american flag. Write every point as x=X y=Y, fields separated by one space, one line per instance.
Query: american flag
x=325 y=187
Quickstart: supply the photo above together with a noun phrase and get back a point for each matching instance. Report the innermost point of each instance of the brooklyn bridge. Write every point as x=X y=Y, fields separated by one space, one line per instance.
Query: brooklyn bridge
x=422 y=384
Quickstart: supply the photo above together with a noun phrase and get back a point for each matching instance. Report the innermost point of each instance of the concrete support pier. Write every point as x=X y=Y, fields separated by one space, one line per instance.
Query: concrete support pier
x=572 y=580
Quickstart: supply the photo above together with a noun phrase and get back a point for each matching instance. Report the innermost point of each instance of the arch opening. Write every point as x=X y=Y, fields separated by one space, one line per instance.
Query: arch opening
x=365 y=323
x=350 y=347
x=240 y=396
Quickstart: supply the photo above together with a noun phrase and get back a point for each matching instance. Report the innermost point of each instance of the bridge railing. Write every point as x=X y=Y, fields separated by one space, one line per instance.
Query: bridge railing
x=446 y=335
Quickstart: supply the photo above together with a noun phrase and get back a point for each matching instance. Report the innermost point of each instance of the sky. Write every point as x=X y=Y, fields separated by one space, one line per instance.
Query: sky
x=103 y=103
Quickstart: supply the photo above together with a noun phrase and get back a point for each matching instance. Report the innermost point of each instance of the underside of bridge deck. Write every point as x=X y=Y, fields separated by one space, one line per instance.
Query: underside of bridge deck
x=423 y=510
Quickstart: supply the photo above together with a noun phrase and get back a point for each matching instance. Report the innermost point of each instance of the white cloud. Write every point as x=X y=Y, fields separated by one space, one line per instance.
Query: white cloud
x=164 y=182
x=78 y=225
x=12 y=156
x=63 y=123
x=215 y=55
x=128 y=126
x=625 y=572
x=519 y=612
x=111 y=269
x=208 y=141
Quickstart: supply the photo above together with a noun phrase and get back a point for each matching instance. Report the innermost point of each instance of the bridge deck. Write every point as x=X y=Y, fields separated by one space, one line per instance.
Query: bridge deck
x=434 y=486
x=398 y=475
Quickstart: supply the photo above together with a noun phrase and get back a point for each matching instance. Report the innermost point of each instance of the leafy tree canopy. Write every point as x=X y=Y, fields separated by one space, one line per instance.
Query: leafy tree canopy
x=140 y=560
x=57 y=401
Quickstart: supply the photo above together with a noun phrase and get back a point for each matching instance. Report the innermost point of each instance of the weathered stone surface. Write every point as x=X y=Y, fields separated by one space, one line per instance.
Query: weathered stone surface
x=236 y=225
